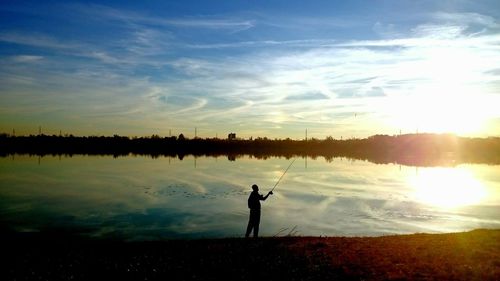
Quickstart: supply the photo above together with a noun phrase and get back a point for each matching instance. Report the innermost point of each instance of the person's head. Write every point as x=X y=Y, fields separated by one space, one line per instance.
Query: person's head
x=255 y=187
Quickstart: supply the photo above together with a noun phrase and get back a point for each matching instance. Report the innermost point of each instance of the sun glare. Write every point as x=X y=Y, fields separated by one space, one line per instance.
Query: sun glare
x=433 y=112
x=447 y=187
x=448 y=97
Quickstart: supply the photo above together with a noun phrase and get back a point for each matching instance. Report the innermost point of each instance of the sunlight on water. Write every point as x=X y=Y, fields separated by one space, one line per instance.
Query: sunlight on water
x=447 y=187
x=145 y=198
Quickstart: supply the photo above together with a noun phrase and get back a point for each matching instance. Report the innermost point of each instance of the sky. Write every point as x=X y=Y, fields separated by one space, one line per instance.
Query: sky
x=256 y=68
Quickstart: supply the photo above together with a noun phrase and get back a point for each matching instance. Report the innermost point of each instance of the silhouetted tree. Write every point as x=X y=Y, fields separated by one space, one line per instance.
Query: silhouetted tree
x=410 y=149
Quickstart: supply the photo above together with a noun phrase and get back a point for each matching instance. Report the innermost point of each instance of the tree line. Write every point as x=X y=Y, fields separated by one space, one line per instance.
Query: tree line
x=408 y=149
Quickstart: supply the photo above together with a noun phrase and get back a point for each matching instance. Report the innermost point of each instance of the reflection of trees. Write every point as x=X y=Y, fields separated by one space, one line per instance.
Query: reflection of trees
x=413 y=149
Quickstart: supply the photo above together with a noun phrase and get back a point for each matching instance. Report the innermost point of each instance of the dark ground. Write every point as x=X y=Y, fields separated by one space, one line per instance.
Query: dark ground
x=471 y=255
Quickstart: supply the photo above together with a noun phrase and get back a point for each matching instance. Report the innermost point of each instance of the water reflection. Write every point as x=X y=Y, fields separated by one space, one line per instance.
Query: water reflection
x=447 y=187
x=145 y=198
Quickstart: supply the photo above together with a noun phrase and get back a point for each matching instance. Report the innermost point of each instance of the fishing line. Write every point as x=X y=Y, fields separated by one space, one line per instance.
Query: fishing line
x=283 y=174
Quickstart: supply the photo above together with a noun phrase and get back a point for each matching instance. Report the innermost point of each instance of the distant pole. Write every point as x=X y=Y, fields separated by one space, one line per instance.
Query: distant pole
x=39 y=130
x=306 y=134
x=60 y=132
x=216 y=137
x=13 y=132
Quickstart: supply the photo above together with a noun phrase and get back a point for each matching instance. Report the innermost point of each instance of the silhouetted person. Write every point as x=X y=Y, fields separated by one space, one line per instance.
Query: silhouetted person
x=254 y=206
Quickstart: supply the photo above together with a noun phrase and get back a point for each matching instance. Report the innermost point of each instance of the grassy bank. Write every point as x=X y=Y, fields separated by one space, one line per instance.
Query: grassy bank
x=471 y=255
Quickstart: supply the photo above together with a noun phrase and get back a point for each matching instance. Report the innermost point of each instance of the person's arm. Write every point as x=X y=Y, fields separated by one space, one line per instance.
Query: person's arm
x=263 y=198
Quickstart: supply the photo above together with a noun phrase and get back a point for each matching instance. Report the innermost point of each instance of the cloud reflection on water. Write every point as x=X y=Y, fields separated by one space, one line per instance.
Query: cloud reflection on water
x=144 y=198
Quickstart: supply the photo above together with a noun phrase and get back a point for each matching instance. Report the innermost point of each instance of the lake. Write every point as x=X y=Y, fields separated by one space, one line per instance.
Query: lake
x=145 y=198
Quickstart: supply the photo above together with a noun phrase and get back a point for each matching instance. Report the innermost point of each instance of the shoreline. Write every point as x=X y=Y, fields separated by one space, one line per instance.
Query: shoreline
x=472 y=255
x=425 y=149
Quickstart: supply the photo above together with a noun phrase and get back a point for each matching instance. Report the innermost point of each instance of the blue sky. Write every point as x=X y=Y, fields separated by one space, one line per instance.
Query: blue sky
x=257 y=68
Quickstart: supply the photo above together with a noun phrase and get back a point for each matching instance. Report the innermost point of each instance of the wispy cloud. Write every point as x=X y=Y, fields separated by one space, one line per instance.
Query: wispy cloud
x=308 y=96
x=35 y=40
x=309 y=43
x=435 y=31
x=201 y=22
x=469 y=19
x=27 y=58
x=153 y=73
x=233 y=25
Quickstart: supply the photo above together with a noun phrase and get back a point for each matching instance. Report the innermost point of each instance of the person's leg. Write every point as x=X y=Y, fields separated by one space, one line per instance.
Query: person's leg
x=249 y=226
x=256 y=224
x=249 y=229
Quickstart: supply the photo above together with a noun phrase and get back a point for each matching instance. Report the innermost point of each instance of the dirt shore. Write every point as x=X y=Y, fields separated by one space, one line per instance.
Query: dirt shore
x=473 y=255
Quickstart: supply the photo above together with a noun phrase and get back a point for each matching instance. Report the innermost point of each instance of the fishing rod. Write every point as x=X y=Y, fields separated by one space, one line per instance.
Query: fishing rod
x=283 y=174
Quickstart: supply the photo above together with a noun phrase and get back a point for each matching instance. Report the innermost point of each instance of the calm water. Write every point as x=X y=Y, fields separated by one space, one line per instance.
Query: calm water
x=138 y=198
